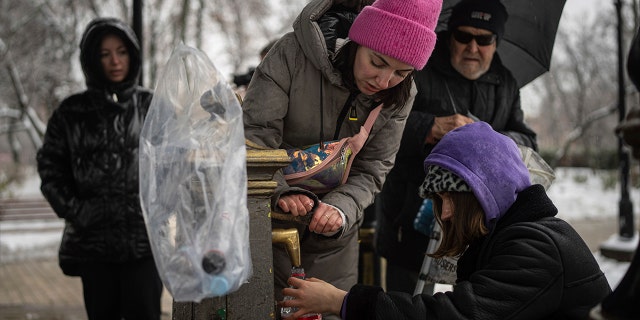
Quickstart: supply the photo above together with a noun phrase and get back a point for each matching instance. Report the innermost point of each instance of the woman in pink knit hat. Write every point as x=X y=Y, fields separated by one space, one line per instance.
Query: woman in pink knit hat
x=319 y=83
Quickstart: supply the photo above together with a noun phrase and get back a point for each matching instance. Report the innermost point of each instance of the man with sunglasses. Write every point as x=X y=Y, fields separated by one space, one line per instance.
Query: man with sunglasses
x=463 y=82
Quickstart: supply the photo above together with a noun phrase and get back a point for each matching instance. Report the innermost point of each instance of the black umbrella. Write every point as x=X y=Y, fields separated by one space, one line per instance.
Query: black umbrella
x=529 y=35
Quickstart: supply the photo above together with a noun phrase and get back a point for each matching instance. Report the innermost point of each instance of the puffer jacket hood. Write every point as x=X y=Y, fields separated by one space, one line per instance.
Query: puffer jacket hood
x=90 y=54
x=488 y=161
x=312 y=34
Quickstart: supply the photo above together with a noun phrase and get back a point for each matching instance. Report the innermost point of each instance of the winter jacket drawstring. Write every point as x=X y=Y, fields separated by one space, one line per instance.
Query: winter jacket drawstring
x=321 y=115
x=353 y=115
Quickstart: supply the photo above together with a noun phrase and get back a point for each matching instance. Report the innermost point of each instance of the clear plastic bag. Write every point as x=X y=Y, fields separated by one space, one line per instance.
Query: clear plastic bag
x=539 y=171
x=193 y=180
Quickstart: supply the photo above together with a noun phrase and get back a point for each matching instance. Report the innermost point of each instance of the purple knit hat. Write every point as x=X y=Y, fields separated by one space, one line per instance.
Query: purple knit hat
x=402 y=29
x=488 y=161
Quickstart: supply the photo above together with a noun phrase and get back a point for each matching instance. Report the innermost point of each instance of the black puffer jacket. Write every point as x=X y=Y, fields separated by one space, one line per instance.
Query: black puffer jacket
x=531 y=266
x=88 y=163
x=493 y=98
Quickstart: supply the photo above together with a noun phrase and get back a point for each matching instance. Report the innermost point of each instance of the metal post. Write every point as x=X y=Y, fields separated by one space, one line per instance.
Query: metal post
x=625 y=206
x=137 y=28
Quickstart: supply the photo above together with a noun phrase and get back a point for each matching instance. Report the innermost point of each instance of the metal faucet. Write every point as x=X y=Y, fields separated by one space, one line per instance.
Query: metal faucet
x=291 y=241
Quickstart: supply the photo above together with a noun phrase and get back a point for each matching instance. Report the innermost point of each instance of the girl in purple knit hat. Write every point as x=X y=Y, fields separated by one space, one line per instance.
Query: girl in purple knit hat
x=517 y=260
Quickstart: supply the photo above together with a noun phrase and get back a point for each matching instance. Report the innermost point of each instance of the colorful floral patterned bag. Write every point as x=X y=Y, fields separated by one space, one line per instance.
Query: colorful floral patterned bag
x=322 y=169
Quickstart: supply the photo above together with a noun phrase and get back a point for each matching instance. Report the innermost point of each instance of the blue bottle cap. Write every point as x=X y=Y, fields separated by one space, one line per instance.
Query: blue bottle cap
x=218 y=285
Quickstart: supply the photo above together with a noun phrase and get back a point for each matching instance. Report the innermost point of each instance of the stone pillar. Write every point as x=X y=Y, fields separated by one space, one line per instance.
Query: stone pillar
x=254 y=300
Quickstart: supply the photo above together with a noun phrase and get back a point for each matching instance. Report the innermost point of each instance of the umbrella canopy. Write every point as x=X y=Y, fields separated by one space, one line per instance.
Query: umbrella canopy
x=530 y=32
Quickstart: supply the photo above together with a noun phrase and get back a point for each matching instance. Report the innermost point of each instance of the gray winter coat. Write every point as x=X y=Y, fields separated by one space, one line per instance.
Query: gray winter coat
x=282 y=109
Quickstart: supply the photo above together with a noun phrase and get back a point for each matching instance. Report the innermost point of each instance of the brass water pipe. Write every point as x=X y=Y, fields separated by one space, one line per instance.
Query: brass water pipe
x=291 y=241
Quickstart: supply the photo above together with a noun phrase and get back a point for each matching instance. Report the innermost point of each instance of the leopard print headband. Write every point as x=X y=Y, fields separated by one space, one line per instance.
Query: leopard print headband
x=439 y=179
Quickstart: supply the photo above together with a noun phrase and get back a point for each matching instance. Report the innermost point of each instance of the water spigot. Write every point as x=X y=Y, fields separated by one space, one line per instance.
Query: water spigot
x=291 y=241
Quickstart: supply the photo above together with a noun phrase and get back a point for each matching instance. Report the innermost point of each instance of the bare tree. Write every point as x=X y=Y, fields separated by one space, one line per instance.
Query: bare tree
x=581 y=88
x=230 y=32
x=36 y=47
x=236 y=21
x=42 y=37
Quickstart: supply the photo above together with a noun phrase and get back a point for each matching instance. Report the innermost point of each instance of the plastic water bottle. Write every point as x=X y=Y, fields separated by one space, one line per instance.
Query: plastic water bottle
x=213 y=262
x=423 y=222
x=285 y=312
x=189 y=280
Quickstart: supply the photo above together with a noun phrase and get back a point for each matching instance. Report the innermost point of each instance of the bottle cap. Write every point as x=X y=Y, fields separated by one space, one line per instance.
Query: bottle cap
x=218 y=285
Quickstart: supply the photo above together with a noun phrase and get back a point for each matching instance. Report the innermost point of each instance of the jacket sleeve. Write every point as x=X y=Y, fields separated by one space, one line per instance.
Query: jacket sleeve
x=520 y=279
x=267 y=99
x=54 y=168
x=417 y=129
x=516 y=128
x=422 y=116
x=266 y=105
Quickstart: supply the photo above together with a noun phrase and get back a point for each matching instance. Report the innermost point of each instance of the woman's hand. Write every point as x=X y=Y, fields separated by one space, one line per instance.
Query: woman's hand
x=325 y=219
x=312 y=296
x=296 y=204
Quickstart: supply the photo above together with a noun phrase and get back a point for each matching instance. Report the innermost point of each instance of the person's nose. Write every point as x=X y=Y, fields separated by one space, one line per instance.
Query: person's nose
x=447 y=209
x=384 y=78
x=472 y=46
x=115 y=59
x=446 y=214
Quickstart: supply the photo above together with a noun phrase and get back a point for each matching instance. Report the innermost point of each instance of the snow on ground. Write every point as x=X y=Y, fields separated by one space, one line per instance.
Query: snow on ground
x=579 y=194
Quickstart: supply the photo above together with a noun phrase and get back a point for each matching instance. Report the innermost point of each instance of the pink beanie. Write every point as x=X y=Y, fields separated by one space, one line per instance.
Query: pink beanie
x=402 y=29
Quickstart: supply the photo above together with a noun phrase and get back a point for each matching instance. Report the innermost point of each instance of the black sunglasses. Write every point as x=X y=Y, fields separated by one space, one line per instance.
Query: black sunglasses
x=481 y=40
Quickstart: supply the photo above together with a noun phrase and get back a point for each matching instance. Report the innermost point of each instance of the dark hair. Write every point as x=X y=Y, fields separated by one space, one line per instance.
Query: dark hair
x=466 y=225
x=357 y=5
x=398 y=95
